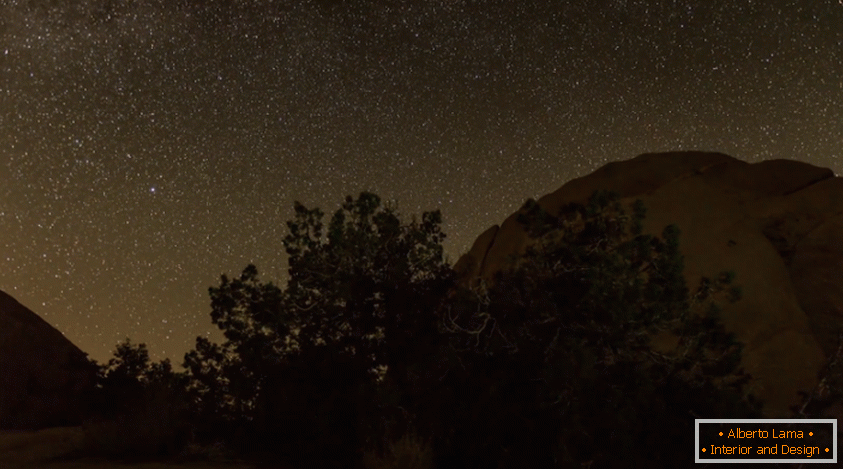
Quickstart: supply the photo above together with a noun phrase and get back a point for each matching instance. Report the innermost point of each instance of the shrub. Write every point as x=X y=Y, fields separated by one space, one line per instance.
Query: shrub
x=408 y=452
x=153 y=428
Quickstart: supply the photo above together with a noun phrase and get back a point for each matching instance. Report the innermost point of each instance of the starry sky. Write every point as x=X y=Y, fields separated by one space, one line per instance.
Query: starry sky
x=148 y=146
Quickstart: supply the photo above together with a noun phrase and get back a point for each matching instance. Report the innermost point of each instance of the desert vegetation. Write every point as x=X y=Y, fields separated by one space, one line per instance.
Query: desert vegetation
x=375 y=355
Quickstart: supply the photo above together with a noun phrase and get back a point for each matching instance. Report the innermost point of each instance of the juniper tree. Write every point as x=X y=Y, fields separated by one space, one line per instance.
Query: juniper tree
x=561 y=343
x=359 y=297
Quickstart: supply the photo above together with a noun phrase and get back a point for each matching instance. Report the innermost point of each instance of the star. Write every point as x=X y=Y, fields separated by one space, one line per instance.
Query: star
x=224 y=113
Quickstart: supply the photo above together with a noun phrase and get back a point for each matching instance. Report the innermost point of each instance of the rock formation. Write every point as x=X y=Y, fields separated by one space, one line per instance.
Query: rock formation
x=43 y=377
x=778 y=224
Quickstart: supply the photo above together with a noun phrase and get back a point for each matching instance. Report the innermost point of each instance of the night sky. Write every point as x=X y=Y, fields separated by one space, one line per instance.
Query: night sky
x=149 y=146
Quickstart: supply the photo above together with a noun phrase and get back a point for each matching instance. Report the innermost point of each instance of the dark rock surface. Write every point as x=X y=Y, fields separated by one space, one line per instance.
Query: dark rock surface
x=44 y=378
x=778 y=224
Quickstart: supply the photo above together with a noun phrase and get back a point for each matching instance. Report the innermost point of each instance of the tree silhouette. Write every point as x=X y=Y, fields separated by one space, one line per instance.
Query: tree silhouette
x=140 y=408
x=561 y=345
x=359 y=299
x=549 y=366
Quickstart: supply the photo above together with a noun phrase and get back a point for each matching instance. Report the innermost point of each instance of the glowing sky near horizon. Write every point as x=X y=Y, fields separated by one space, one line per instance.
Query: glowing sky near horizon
x=146 y=147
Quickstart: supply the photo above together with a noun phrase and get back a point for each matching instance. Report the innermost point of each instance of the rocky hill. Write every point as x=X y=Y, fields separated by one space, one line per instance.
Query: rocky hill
x=778 y=224
x=43 y=376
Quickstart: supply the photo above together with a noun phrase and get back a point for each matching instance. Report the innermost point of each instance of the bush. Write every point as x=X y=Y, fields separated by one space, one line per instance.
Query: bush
x=140 y=408
x=408 y=452
x=153 y=428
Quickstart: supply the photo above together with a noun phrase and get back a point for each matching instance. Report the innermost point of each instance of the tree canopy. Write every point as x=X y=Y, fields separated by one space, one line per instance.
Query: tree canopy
x=561 y=344
x=550 y=365
x=361 y=293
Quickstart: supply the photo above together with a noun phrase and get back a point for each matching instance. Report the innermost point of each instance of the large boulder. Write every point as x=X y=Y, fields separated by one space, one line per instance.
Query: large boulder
x=44 y=378
x=778 y=224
